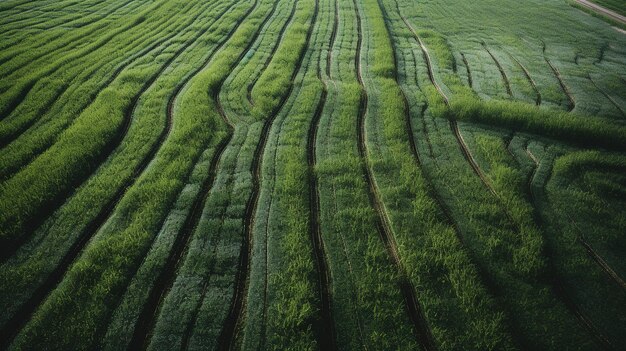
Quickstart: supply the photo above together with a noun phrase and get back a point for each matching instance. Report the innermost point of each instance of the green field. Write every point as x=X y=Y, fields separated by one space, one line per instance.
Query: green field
x=311 y=175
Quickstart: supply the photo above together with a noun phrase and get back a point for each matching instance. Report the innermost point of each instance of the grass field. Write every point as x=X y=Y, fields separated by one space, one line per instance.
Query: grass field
x=311 y=175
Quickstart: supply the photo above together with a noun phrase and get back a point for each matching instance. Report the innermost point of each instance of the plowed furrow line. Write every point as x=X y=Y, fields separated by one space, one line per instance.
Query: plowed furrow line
x=23 y=314
x=469 y=72
x=227 y=338
x=505 y=79
x=530 y=80
x=165 y=280
x=327 y=338
x=272 y=52
x=383 y=225
x=606 y=95
x=8 y=250
x=556 y=282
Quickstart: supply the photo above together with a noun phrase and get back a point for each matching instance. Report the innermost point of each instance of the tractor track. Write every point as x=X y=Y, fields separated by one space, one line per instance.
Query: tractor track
x=505 y=79
x=530 y=80
x=147 y=320
x=557 y=74
x=8 y=250
x=20 y=318
x=121 y=66
x=272 y=52
x=606 y=95
x=469 y=72
x=28 y=86
x=489 y=283
x=556 y=282
x=383 y=225
x=228 y=334
x=326 y=326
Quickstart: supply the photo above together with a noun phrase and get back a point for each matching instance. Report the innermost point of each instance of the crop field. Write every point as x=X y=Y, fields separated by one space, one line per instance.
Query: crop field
x=312 y=175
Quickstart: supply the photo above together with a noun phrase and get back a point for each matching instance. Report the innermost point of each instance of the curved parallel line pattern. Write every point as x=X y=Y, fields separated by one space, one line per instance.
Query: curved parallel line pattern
x=505 y=79
x=269 y=57
x=44 y=19
x=21 y=317
x=23 y=92
x=489 y=283
x=556 y=282
x=328 y=333
x=228 y=334
x=58 y=93
x=147 y=318
x=606 y=95
x=383 y=225
x=8 y=250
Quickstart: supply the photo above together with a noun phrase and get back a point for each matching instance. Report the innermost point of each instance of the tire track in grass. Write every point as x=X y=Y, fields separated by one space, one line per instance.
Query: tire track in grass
x=489 y=283
x=327 y=331
x=228 y=334
x=611 y=274
x=62 y=62
x=606 y=95
x=58 y=93
x=194 y=317
x=148 y=316
x=467 y=68
x=505 y=79
x=529 y=78
x=556 y=282
x=8 y=250
x=269 y=57
x=557 y=74
x=16 y=323
x=414 y=310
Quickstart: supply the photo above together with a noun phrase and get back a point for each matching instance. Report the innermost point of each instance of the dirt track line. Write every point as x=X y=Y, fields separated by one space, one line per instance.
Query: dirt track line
x=556 y=282
x=602 y=10
x=469 y=72
x=383 y=223
x=17 y=322
x=557 y=74
x=272 y=52
x=606 y=95
x=505 y=79
x=45 y=109
x=148 y=316
x=529 y=78
x=228 y=335
x=327 y=333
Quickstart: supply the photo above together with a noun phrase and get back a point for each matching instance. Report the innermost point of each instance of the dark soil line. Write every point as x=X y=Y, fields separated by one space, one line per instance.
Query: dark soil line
x=530 y=80
x=412 y=304
x=269 y=57
x=556 y=282
x=606 y=95
x=612 y=275
x=505 y=79
x=9 y=249
x=469 y=72
x=326 y=326
x=228 y=335
x=148 y=317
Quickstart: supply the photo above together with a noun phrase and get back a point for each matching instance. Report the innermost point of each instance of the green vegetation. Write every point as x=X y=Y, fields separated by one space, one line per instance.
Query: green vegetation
x=311 y=175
